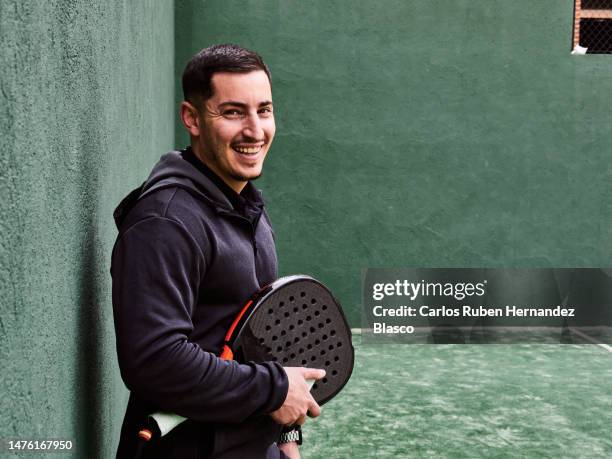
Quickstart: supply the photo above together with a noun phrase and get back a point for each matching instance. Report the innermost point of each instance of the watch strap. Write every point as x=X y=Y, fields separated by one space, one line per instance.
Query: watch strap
x=293 y=433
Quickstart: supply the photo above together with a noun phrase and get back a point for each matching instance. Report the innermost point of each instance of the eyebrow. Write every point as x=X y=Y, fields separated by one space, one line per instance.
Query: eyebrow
x=243 y=105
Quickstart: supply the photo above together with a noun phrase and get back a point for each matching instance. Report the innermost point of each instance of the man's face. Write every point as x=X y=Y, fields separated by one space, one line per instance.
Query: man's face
x=237 y=126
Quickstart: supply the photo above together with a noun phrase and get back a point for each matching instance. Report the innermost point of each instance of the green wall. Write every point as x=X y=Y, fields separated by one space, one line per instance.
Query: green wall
x=432 y=133
x=410 y=133
x=86 y=108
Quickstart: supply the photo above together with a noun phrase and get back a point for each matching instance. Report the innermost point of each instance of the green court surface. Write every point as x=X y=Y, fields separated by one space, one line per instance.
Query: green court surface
x=464 y=401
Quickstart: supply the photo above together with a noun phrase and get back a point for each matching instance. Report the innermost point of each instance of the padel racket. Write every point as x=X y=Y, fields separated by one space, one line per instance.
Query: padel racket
x=295 y=321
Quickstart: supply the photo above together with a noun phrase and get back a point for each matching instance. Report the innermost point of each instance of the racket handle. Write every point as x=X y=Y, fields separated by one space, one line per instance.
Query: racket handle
x=166 y=421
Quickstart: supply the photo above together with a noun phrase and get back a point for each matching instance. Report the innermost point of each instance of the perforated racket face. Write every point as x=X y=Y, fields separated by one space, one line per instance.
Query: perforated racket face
x=299 y=323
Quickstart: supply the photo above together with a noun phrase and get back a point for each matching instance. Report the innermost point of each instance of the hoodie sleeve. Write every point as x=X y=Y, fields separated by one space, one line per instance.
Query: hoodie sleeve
x=156 y=270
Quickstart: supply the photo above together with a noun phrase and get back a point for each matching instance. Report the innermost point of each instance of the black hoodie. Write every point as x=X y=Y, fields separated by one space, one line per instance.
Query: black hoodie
x=183 y=265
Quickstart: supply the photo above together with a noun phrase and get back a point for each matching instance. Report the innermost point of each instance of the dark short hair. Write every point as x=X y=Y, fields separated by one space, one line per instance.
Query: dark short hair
x=198 y=73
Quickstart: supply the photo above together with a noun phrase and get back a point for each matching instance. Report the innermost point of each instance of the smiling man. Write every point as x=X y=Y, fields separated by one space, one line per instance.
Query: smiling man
x=194 y=243
x=234 y=132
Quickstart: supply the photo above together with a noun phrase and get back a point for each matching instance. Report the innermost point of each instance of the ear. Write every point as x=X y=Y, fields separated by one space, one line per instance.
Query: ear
x=190 y=119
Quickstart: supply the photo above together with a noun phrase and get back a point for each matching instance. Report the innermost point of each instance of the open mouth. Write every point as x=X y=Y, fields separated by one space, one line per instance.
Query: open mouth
x=247 y=150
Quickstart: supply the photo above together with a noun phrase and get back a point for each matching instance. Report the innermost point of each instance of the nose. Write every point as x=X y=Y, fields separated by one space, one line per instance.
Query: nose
x=253 y=128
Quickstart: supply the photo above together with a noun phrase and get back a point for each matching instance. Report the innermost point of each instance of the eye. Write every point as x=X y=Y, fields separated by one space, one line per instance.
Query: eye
x=232 y=113
x=265 y=111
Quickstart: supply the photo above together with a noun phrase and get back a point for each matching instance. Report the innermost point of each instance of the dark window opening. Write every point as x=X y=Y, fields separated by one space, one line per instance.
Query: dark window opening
x=597 y=4
x=596 y=35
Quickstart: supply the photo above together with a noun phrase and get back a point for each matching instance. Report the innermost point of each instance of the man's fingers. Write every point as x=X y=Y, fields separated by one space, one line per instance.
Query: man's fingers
x=313 y=373
x=314 y=409
x=299 y=403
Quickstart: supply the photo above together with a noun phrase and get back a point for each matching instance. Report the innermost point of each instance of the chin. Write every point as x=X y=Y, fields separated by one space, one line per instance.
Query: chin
x=248 y=175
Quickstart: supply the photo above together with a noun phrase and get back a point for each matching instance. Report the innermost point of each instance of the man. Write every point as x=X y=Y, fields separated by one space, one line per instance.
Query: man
x=194 y=243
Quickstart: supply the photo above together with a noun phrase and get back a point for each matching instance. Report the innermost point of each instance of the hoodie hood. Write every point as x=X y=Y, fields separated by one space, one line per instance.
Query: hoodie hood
x=173 y=171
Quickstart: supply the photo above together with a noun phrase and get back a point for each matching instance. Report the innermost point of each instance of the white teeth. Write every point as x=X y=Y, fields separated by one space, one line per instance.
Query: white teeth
x=247 y=151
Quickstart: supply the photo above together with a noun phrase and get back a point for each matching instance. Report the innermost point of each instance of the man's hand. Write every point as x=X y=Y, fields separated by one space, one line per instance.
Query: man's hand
x=290 y=450
x=299 y=401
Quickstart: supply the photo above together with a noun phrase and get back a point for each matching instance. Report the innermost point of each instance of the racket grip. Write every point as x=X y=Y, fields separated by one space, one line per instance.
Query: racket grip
x=166 y=421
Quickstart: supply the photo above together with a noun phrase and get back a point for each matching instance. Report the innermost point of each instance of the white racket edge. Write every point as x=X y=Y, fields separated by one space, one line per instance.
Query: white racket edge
x=168 y=421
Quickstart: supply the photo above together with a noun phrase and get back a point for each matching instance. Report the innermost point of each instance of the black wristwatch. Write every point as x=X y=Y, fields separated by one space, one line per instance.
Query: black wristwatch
x=289 y=434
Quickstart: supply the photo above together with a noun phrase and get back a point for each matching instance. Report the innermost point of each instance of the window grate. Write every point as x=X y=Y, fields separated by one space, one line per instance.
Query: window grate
x=592 y=27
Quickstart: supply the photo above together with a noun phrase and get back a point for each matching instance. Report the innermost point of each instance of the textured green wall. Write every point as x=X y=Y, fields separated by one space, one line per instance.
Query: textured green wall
x=410 y=133
x=86 y=107
x=425 y=133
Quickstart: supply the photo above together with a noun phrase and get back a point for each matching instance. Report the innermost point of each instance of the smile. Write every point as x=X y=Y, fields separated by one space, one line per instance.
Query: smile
x=248 y=150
